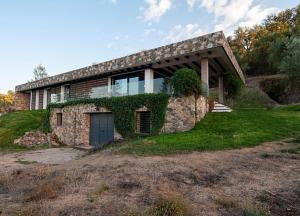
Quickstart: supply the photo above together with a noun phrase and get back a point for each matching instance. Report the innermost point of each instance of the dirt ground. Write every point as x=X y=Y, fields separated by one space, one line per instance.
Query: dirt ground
x=264 y=180
x=13 y=161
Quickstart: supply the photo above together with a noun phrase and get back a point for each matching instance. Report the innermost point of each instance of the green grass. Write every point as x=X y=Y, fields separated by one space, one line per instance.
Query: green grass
x=292 y=107
x=251 y=98
x=14 y=125
x=219 y=131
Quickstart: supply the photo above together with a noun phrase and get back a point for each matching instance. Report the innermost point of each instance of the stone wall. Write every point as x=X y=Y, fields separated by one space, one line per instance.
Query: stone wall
x=182 y=115
x=184 y=112
x=22 y=101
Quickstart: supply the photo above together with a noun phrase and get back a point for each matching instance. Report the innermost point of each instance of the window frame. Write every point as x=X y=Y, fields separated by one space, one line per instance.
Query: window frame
x=59 y=119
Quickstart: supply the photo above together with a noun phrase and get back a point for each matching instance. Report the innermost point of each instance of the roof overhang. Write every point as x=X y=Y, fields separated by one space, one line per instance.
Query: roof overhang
x=212 y=46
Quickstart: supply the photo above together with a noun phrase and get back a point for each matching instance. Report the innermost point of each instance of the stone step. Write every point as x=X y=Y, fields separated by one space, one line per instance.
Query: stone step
x=221 y=108
x=85 y=148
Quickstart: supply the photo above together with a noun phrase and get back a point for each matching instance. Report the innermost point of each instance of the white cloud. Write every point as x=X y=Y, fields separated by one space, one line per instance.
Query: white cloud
x=156 y=9
x=256 y=15
x=231 y=13
x=179 y=32
x=113 y=1
x=191 y=3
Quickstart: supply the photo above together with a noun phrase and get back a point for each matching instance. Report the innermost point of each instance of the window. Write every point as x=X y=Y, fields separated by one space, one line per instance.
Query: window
x=59 y=119
x=143 y=122
x=129 y=84
x=67 y=92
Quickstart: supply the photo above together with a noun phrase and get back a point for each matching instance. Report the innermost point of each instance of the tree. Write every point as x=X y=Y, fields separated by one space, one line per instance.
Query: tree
x=260 y=49
x=7 y=101
x=39 y=73
x=290 y=64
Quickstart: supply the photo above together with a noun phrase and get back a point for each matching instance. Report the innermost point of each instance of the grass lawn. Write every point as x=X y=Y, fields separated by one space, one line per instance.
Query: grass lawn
x=219 y=131
x=14 y=125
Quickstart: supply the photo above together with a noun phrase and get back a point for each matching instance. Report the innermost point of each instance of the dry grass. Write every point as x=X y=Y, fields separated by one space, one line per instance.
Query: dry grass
x=97 y=192
x=173 y=205
x=192 y=184
x=237 y=207
x=47 y=190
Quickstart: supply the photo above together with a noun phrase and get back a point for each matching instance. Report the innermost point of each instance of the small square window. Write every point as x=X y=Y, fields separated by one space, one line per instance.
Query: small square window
x=59 y=119
x=143 y=122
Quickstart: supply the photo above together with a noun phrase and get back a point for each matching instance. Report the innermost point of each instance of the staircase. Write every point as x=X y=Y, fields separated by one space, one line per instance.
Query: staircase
x=221 y=108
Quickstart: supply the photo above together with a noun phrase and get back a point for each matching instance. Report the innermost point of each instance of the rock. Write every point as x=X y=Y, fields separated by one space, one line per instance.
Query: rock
x=32 y=139
x=54 y=140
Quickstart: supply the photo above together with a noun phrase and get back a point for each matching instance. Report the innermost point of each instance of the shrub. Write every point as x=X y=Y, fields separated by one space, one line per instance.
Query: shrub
x=169 y=206
x=186 y=82
x=233 y=85
x=47 y=190
x=275 y=88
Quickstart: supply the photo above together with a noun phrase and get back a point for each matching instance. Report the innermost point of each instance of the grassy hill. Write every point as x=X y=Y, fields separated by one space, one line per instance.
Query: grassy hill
x=218 y=131
x=14 y=125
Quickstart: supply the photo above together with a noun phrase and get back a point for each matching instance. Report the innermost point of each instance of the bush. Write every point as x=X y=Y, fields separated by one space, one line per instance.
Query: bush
x=275 y=88
x=169 y=206
x=250 y=98
x=233 y=85
x=186 y=82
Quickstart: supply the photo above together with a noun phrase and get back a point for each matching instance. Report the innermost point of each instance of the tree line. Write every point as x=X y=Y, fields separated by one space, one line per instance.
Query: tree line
x=272 y=47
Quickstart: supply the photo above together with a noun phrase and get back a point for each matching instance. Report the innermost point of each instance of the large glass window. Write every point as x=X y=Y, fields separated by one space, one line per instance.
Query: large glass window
x=128 y=84
x=161 y=83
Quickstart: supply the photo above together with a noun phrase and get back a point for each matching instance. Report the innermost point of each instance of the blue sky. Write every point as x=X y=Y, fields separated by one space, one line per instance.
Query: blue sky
x=68 y=34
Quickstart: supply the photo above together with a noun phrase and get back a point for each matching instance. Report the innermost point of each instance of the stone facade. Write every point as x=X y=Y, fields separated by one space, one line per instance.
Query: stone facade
x=22 y=101
x=182 y=115
x=184 y=112
x=75 y=128
x=143 y=58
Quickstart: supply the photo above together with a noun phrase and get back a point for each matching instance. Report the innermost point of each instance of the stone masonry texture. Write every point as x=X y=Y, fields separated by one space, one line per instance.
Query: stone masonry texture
x=139 y=59
x=182 y=115
x=22 y=101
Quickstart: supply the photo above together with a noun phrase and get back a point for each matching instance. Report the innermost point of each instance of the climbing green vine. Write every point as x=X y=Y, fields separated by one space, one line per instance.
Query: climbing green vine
x=124 y=109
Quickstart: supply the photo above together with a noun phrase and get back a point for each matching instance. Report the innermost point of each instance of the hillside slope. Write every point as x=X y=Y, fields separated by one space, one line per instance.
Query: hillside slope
x=16 y=124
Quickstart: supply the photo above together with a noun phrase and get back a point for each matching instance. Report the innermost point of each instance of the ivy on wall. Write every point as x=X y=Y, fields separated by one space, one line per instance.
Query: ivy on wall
x=124 y=109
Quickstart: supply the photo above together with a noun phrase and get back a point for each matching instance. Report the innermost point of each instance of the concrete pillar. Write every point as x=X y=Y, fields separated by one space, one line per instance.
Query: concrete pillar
x=109 y=87
x=37 y=99
x=221 y=90
x=149 y=83
x=45 y=99
x=205 y=76
x=62 y=94
x=30 y=103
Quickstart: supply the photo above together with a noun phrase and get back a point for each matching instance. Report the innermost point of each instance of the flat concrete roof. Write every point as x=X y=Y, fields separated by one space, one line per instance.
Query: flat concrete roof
x=144 y=58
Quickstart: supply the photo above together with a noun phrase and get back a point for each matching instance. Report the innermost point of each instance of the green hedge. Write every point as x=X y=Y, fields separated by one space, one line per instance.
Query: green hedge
x=124 y=109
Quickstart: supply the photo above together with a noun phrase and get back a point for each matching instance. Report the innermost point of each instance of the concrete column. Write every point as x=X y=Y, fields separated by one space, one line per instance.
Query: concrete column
x=149 y=83
x=109 y=87
x=37 y=99
x=62 y=93
x=221 y=90
x=45 y=99
x=30 y=105
x=205 y=75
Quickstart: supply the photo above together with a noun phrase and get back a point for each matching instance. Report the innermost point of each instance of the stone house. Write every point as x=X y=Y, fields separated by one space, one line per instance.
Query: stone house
x=144 y=72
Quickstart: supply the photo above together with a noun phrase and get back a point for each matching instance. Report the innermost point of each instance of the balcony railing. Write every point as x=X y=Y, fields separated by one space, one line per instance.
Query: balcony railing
x=160 y=85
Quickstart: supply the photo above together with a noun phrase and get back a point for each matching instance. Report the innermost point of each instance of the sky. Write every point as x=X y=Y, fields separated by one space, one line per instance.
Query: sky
x=64 y=35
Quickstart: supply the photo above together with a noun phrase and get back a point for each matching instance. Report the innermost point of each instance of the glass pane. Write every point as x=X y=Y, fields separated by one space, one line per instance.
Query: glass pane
x=133 y=86
x=120 y=87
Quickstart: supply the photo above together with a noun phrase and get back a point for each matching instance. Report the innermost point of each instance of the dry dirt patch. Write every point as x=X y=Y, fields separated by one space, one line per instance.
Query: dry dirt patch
x=20 y=160
x=235 y=182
